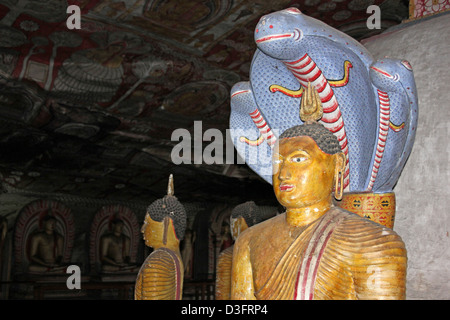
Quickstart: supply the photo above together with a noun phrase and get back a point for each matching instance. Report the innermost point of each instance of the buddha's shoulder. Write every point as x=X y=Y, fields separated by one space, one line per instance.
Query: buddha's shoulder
x=162 y=258
x=264 y=229
x=356 y=228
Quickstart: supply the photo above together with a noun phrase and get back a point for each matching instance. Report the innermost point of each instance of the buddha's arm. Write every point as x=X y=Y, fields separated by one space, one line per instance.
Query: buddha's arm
x=126 y=250
x=157 y=279
x=35 y=242
x=138 y=288
x=104 y=252
x=223 y=274
x=380 y=269
x=242 y=287
x=59 y=249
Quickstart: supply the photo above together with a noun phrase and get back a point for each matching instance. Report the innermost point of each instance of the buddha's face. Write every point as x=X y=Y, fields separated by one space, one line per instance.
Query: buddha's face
x=118 y=227
x=152 y=232
x=303 y=174
x=159 y=234
x=49 y=225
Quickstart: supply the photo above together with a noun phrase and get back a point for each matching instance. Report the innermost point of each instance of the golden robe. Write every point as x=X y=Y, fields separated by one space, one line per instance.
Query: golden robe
x=339 y=256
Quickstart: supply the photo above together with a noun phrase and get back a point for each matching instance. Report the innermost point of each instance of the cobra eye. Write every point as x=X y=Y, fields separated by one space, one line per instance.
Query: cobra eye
x=407 y=65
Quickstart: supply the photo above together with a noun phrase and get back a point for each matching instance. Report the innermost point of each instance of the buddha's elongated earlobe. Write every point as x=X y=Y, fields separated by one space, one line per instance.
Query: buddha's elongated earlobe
x=339 y=187
x=166 y=226
x=339 y=177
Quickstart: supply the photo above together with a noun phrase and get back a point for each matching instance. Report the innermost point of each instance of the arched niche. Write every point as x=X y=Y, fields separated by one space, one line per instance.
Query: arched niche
x=102 y=225
x=30 y=223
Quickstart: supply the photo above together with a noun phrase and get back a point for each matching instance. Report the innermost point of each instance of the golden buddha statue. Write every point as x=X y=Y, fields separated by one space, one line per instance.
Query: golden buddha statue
x=161 y=275
x=46 y=248
x=315 y=250
x=242 y=217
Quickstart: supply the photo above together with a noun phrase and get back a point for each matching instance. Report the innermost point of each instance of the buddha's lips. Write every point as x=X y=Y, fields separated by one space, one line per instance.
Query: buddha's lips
x=286 y=187
x=274 y=37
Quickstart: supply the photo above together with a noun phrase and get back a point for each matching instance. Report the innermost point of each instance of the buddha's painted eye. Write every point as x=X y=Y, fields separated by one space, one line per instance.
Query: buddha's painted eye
x=298 y=159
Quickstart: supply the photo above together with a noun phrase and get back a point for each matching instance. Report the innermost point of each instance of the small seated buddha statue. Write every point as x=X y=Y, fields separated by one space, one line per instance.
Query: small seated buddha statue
x=46 y=248
x=161 y=275
x=115 y=250
x=315 y=250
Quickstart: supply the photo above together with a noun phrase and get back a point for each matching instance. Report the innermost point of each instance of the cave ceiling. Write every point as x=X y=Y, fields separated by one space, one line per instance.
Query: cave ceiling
x=91 y=111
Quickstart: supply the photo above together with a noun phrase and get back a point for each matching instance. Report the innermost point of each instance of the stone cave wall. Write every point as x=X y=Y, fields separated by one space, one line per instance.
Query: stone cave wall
x=422 y=194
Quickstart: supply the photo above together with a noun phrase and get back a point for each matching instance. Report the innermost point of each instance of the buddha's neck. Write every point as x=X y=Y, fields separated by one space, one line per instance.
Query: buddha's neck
x=302 y=216
x=175 y=247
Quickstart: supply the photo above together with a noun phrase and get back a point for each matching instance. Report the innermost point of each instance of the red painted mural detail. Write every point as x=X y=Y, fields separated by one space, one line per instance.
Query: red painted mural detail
x=128 y=56
x=120 y=83
x=423 y=8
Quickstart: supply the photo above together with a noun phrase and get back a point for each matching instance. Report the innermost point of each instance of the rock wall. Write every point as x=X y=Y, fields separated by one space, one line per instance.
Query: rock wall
x=423 y=197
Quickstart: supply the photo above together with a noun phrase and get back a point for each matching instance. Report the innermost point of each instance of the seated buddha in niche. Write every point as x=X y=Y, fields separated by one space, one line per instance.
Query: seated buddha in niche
x=315 y=250
x=115 y=250
x=46 y=248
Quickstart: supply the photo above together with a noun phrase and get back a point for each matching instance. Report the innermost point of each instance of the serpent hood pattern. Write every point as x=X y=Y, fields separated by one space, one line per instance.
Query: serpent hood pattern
x=370 y=105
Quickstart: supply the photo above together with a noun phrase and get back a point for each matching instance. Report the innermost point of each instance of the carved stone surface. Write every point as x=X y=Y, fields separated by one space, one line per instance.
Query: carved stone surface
x=422 y=194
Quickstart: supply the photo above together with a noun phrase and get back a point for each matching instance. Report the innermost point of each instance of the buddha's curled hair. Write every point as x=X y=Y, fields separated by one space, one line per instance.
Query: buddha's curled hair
x=169 y=206
x=324 y=138
x=249 y=211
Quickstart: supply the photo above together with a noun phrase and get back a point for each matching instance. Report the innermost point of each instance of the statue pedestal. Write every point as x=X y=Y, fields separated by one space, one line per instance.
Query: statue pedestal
x=43 y=276
x=48 y=285
x=114 y=285
x=378 y=207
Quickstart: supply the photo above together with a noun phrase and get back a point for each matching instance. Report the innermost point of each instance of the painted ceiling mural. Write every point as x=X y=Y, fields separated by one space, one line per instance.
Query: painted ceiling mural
x=91 y=111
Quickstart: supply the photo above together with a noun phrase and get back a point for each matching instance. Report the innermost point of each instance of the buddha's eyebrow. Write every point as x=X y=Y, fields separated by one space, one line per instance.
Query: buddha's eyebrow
x=300 y=150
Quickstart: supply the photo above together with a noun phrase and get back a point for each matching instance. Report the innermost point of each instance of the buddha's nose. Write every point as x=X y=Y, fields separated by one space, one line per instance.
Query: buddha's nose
x=284 y=173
